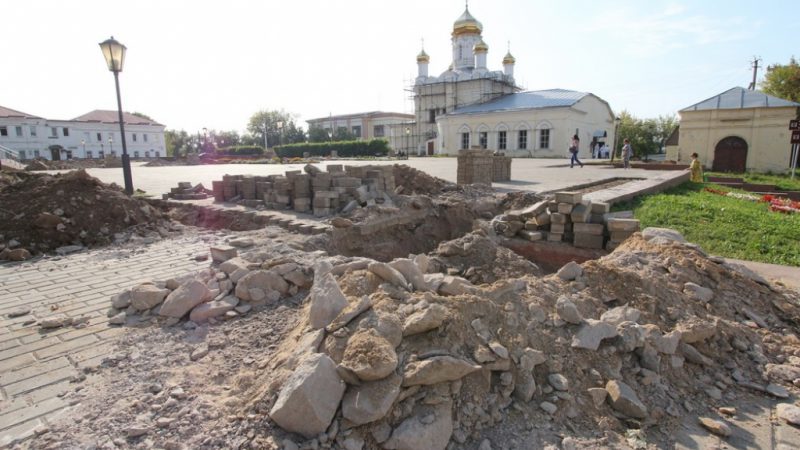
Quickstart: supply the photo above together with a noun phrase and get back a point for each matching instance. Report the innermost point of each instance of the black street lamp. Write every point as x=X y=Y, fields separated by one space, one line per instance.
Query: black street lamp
x=111 y=145
x=114 y=53
x=617 y=121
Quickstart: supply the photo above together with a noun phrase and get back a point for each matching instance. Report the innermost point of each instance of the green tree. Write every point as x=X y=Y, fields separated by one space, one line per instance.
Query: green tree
x=647 y=136
x=178 y=142
x=280 y=128
x=783 y=81
x=318 y=134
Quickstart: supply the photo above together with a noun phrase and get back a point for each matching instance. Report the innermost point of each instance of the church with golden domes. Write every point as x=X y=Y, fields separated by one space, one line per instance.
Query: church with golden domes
x=469 y=105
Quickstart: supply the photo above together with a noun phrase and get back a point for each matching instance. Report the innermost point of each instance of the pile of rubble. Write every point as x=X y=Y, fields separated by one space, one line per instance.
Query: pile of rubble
x=68 y=212
x=396 y=356
x=185 y=191
x=569 y=218
x=341 y=188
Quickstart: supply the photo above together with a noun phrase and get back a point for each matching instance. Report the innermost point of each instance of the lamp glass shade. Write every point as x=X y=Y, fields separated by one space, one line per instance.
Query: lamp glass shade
x=114 y=53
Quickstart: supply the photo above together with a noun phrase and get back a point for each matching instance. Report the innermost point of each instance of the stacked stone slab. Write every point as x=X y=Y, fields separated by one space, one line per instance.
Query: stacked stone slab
x=475 y=165
x=619 y=230
x=185 y=191
x=319 y=192
x=501 y=168
x=569 y=218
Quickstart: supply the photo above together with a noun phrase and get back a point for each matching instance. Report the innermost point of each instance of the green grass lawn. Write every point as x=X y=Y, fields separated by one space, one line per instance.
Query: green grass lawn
x=781 y=181
x=723 y=226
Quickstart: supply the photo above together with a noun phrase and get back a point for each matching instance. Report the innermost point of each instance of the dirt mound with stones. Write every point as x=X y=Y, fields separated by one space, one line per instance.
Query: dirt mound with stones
x=72 y=164
x=618 y=352
x=613 y=353
x=43 y=213
x=416 y=181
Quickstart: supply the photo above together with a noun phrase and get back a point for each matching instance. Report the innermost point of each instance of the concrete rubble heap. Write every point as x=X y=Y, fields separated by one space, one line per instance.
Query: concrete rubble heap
x=317 y=192
x=477 y=165
x=567 y=217
x=423 y=360
x=185 y=191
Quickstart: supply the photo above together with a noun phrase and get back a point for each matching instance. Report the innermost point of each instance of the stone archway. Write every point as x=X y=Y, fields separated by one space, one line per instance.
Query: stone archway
x=730 y=155
x=55 y=152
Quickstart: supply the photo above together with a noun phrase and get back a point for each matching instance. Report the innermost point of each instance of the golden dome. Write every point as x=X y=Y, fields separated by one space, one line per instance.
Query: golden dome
x=480 y=47
x=467 y=24
x=508 y=59
x=423 y=57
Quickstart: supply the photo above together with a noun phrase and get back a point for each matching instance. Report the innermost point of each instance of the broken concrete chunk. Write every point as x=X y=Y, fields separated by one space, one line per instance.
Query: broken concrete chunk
x=146 y=296
x=411 y=273
x=266 y=280
x=327 y=301
x=205 y=311
x=623 y=399
x=370 y=401
x=427 y=319
x=389 y=274
x=697 y=292
x=182 y=300
x=436 y=370
x=592 y=333
x=567 y=310
x=696 y=330
x=452 y=285
x=223 y=253
x=616 y=316
x=429 y=432
x=570 y=271
x=122 y=300
x=349 y=313
x=310 y=397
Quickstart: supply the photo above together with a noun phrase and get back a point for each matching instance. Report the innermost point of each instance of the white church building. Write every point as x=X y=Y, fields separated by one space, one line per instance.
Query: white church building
x=469 y=105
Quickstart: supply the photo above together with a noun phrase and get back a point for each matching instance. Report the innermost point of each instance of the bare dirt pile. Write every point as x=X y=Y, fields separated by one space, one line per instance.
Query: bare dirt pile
x=43 y=213
x=416 y=181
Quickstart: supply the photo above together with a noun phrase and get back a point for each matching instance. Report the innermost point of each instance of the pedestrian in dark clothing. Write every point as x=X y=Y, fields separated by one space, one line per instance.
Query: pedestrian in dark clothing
x=574 y=148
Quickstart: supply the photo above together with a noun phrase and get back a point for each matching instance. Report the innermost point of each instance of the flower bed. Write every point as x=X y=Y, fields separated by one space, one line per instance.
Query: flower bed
x=777 y=204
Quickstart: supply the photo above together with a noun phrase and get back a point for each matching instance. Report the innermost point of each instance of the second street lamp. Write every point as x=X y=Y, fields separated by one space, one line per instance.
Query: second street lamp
x=114 y=54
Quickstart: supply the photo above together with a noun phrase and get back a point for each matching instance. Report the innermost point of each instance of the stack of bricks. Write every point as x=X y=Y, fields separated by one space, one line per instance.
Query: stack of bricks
x=218 y=188
x=501 y=168
x=619 y=230
x=570 y=218
x=185 y=191
x=322 y=193
x=475 y=165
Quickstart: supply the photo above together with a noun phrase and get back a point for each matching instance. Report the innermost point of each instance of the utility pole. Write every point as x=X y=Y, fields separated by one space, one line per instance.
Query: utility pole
x=755 y=66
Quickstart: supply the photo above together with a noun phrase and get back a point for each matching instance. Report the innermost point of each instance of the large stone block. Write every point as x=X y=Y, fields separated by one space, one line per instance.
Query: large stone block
x=624 y=400
x=223 y=253
x=310 y=397
x=569 y=197
x=565 y=208
x=327 y=301
x=583 y=240
x=600 y=207
x=588 y=228
x=182 y=300
x=559 y=218
x=146 y=296
x=370 y=401
x=581 y=212
x=631 y=225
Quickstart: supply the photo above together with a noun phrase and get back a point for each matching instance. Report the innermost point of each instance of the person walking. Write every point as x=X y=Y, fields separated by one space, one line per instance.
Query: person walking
x=697 y=169
x=574 y=148
x=627 y=152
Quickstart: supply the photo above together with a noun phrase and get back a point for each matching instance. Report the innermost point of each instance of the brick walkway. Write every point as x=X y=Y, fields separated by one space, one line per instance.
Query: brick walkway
x=36 y=366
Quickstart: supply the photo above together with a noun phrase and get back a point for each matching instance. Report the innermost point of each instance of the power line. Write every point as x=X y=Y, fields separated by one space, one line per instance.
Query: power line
x=754 y=65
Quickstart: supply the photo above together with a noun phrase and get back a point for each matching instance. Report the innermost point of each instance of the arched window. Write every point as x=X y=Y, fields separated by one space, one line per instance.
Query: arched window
x=543 y=130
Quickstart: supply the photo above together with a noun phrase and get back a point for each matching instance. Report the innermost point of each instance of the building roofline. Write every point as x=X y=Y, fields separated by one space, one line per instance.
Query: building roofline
x=17 y=114
x=369 y=114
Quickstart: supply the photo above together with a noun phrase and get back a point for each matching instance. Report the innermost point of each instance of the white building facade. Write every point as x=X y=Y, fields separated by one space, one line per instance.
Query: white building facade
x=92 y=135
x=470 y=106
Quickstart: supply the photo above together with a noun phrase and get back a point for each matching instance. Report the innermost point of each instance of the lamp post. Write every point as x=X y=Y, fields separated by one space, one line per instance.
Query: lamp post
x=617 y=120
x=408 y=140
x=114 y=54
x=111 y=146
x=265 y=136
x=83 y=143
x=279 y=126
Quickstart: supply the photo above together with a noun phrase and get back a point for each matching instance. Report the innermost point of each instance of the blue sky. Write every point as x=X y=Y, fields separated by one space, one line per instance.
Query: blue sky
x=195 y=64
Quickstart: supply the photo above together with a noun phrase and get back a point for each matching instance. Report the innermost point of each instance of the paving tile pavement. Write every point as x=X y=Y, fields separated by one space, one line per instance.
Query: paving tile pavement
x=38 y=366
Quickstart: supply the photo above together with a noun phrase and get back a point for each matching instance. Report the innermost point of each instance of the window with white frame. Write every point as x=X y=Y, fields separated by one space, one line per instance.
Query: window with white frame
x=136 y=153
x=464 y=140
x=36 y=153
x=53 y=132
x=33 y=131
x=19 y=131
x=65 y=131
x=501 y=140
x=3 y=131
x=522 y=140
x=357 y=131
x=144 y=136
x=99 y=137
x=483 y=138
x=544 y=138
x=21 y=154
x=89 y=154
x=134 y=137
x=378 y=131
